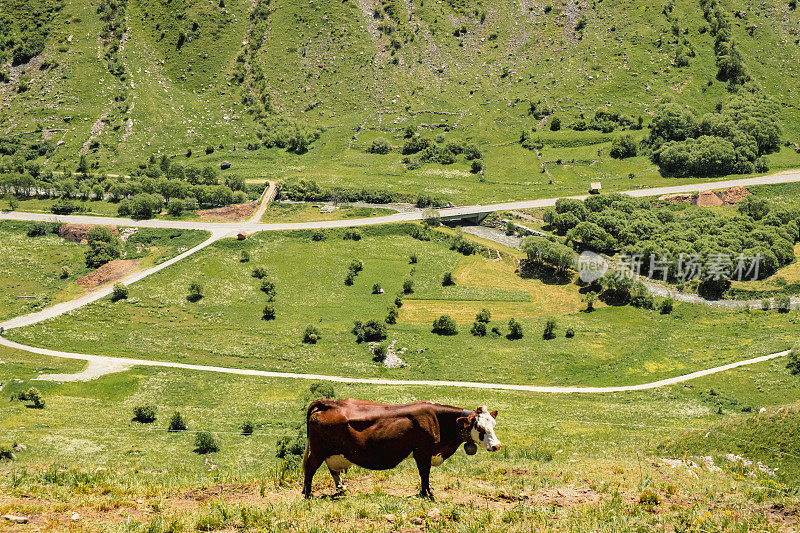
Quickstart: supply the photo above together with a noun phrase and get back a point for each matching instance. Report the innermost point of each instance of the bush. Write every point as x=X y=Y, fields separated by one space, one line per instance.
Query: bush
x=549 y=329
x=666 y=306
x=350 y=278
x=570 y=332
x=248 y=428
x=376 y=289
x=37 y=229
x=483 y=316
x=352 y=235
x=34 y=396
x=476 y=167
x=379 y=352
x=445 y=325
x=145 y=413
x=783 y=303
x=514 y=329
x=177 y=423
x=766 y=304
x=622 y=147
x=268 y=288
x=244 y=256
x=259 y=272
x=6 y=453
x=379 y=146
x=391 y=316
x=311 y=335
x=318 y=235
x=398 y=300
x=413 y=258
x=447 y=280
x=478 y=329
x=648 y=499
x=356 y=266
x=408 y=286
x=175 y=207
x=103 y=247
x=555 y=124
x=431 y=218
x=269 y=312
x=794 y=360
x=205 y=442
x=589 y=299
x=65 y=273
x=120 y=292
x=371 y=331
x=195 y=291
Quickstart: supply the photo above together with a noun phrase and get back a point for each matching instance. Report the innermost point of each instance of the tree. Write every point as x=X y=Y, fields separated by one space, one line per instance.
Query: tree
x=145 y=413
x=177 y=423
x=753 y=206
x=356 y=266
x=268 y=288
x=589 y=299
x=478 y=329
x=379 y=146
x=120 y=292
x=371 y=331
x=83 y=165
x=391 y=317
x=244 y=256
x=447 y=279
x=794 y=360
x=269 y=312
x=259 y=272
x=247 y=428
x=555 y=124
x=476 y=167
x=622 y=147
x=445 y=325
x=103 y=247
x=311 y=335
x=205 y=442
x=514 y=329
x=483 y=316
x=376 y=289
x=549 y=329
x=34 y=396
x=195 y=291
x=666 y=306
x=408 y=286
x=783 y=303
x=175 y=207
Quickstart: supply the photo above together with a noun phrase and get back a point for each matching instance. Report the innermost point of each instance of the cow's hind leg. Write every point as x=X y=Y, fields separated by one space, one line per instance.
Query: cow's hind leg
x=311 y=462
x=423 y=461
x=337 y=480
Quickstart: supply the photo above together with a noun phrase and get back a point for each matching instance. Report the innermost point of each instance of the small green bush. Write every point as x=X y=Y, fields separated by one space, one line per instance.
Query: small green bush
x=350 y=278
x=177 y=423
x=445 y=325
x=570 y=332
x=408 y=286
x=195 y=291
x=311 y=335
x=145 y=413
x=549 y=329
x=34 y=396
x=666 y=306
x=478 y=329
x=269 y=312
x=413 y=258
x=483 y=316
x=6 y=453
x=649 y=499
x=318 y=235
x=259 y=272
x=120 y=292
x=268 y=288
x=391 y=316
x=248 y=428
x=514 y=329
x=205 y=442
x=356 y=266
x=376 y=289
x=783 y=303
x=794 y=360
x=352 y=235
x=398 y=300
x=447 y=279
x=766 y=304
x=370 y=331
x=244 y=256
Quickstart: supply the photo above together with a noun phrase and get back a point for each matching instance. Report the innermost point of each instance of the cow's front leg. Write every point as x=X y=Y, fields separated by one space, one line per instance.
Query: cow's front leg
x=423 y=460
x=337 y=481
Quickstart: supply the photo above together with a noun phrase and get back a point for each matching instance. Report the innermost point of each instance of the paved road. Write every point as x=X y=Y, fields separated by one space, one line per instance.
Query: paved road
x=252 y=226
x=99 y=365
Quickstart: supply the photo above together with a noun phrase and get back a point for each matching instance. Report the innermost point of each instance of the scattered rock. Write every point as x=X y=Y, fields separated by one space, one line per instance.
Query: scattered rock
x=16 y=519
x=417 y=521
x=20 y=448
x=433 y=513
x=225 y=165
x=75 y=516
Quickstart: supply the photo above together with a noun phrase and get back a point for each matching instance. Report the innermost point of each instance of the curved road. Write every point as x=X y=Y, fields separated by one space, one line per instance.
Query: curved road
x=99 y=365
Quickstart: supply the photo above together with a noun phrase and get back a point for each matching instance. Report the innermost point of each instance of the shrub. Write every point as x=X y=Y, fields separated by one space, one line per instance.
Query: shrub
x=379 y=146
x=120 y=292
x=398 y=300
x=244 y=256
x=514 y=329
x=205 y=442
x=794 y=360
x=445 y=325
x=177 y=423
x=483 y=316
x=37 y=229
x=589 y=299
x=379 y=352
x=65 y=273
x=555 y=124
x=175 y=207
x=622 y=147
x=311 y=335
x=349 y=278
x=34 y=396
x=666 y=306
x=376 y=289
x=478 y=329
x=391 y=316
x=408 y=286
x=496 y=331
x=783 y=303
x=447 y=279
x=549 y=329
x=269 y=312
x=371 y=331
x=431 y=218
x=318 y=235
x=195 y=291
x=352 y=235
x=648 y=499
x=6 y=453
x=476 y=167
x=570 y=332
x=356 y=266
x=259 y=272
x=248 y=428
x=766 y=304
x=413 y=258
x=145 y=413
x=268 y=288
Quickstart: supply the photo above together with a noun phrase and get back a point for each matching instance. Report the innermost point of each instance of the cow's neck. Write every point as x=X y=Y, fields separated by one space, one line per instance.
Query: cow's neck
x=449 y=430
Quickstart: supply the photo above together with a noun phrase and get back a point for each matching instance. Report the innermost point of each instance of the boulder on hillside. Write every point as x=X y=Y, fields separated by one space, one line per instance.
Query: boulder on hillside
x=225 y=165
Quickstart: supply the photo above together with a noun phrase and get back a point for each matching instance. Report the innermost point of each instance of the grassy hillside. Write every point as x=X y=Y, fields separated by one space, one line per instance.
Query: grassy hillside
x=167 y=76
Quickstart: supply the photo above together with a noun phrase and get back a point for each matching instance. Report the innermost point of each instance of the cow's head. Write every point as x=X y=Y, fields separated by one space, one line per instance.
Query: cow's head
x=478 y=428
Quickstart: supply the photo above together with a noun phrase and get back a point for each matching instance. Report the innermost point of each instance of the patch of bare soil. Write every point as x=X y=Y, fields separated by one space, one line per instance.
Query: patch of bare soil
x=566 y=497
x=731 y=196
x=111 y=271
x=708 y=199
x=230 y=212
x=80 y=232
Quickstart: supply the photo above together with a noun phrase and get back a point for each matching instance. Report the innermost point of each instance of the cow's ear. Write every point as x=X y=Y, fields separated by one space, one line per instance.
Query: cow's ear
x=494 y=414
x=463 y=421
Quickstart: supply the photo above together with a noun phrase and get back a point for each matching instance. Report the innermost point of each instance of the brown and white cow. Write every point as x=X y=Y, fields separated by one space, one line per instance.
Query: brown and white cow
x=379 y=436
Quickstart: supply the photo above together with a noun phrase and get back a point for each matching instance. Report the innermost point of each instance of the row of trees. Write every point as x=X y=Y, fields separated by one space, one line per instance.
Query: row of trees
x=305 y=190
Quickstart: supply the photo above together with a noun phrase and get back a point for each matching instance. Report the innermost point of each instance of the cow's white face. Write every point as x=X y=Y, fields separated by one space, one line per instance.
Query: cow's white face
x=482 y=431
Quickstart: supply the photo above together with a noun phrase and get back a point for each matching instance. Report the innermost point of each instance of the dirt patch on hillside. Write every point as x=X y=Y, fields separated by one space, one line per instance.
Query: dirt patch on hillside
x=80 y=232
x=111 y=271
x=230 y=212
x=731 y=196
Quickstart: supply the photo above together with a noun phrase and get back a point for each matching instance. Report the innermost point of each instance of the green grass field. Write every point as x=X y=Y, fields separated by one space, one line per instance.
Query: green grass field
x=613 y=345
